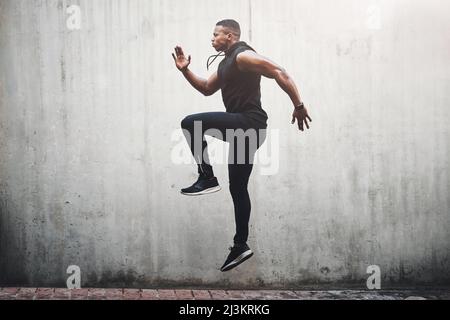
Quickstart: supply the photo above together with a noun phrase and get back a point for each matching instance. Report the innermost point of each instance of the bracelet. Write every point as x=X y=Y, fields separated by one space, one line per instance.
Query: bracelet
x=300 y=106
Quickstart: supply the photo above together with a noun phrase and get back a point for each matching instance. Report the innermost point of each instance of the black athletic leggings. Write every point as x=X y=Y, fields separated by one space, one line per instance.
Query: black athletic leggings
x=240 y=157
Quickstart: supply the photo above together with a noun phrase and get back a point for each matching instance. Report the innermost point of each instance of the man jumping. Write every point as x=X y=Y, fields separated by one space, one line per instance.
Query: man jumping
x=238 y=76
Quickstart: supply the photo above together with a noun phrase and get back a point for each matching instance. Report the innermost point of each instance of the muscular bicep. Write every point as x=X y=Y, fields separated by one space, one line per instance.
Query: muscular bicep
x=250 y=61
x=212 y=84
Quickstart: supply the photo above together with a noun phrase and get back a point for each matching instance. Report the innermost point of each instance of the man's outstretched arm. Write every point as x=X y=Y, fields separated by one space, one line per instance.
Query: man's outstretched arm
x=206 y=86
x=250 y=61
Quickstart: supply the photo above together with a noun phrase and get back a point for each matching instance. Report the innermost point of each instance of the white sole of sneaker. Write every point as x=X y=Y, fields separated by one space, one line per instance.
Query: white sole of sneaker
x=206 y=191
x=244 y=256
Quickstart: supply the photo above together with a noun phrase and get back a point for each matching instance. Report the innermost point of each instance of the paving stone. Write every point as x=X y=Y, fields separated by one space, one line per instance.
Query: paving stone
x=167 y=295
x=184 y=294
x=219 y=294
x=114 y=294
x=236 y=294
x=44 y=293
x=61 y=294
x=201 y=294
x=79 y=294
x=149 y=294
x=26 y=294
x=131 y=294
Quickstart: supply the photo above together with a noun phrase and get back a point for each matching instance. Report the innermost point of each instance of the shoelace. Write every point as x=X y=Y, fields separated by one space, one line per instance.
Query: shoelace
x=215 y=57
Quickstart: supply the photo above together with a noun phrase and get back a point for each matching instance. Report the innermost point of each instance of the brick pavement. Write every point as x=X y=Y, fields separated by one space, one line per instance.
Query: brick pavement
x=186 y=294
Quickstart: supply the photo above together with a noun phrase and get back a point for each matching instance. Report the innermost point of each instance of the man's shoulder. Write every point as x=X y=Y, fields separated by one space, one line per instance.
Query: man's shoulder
x=246 y=55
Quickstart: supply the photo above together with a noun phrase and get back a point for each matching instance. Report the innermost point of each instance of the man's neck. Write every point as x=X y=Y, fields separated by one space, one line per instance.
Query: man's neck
x=230 y=45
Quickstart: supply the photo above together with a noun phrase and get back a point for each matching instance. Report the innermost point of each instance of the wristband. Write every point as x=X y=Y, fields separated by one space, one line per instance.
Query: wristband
x=300 y=106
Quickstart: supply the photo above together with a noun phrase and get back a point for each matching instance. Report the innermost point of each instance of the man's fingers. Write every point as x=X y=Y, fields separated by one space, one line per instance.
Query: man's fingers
x=300 y=124
x=309 y=118
x=174 y=58
x=179 y=51
x=293 y=120
x=306 y=123
x=189 y=59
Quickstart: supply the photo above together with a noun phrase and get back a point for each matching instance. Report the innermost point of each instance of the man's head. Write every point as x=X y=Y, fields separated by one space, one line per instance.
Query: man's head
x=225 y=34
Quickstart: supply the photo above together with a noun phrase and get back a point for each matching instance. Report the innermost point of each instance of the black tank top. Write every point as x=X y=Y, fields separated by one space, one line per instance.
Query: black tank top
x=241 y=91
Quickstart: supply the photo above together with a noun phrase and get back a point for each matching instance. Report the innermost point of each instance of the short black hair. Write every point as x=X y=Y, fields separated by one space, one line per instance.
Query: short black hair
x=231 y=24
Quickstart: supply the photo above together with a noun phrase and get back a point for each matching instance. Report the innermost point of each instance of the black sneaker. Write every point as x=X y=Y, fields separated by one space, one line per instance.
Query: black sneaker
x=202 y=186
x=238 y=254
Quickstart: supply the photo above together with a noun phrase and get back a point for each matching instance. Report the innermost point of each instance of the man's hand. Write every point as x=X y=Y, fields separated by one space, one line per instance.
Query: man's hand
x=301 y=116
x=180 y=60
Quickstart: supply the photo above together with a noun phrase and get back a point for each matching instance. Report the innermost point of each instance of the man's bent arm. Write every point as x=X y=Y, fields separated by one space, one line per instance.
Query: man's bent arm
x=251 y=61
x=206 y=87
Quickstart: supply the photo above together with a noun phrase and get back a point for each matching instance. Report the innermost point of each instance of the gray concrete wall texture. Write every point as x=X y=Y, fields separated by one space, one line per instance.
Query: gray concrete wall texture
x=90 y=102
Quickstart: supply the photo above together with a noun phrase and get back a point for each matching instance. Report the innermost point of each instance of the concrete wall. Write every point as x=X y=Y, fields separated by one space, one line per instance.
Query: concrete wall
x=87 y=118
